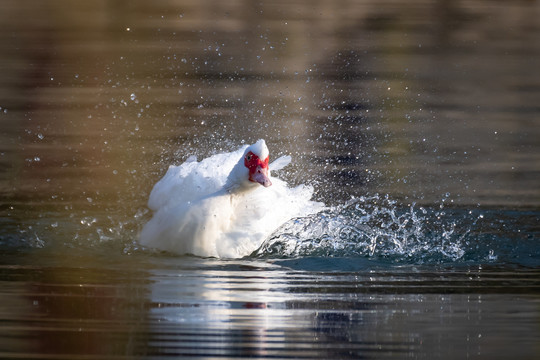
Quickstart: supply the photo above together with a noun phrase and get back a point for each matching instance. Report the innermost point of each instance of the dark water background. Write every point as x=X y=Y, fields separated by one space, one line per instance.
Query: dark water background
x=417 y=122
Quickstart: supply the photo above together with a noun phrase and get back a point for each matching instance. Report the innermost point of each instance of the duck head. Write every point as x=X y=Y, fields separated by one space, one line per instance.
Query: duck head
x=251 y=170
x=256 y=158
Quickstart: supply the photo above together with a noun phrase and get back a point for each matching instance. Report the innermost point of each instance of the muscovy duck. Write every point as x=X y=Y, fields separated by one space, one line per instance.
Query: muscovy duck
x=224 y=206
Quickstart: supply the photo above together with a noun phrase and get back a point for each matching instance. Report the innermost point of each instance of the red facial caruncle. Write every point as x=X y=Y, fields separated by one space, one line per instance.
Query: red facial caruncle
x=258 y=169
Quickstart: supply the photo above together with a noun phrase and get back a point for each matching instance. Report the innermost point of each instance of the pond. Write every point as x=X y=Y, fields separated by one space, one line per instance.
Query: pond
x=415 y=123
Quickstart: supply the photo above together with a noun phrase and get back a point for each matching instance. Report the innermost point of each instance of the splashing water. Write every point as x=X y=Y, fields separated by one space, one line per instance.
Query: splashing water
x=376 y=226
x=366 y=228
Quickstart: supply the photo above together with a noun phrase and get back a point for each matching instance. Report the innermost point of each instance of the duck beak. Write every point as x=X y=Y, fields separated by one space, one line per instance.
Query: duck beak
x=260 y=175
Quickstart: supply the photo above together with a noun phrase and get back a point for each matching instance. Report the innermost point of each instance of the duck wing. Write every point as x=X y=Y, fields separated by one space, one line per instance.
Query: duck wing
x=192 y=180
x=280 y=163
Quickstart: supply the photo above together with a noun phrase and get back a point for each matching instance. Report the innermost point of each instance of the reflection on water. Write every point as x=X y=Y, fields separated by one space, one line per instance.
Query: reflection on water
x=162 y=306
x=422 y=102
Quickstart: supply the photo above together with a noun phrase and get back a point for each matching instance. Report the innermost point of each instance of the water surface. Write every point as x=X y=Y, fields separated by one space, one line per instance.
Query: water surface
x=416 y=123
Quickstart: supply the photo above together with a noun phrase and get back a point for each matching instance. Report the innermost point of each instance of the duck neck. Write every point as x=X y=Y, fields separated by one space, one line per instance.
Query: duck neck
x=239 y=188
x=237 y=181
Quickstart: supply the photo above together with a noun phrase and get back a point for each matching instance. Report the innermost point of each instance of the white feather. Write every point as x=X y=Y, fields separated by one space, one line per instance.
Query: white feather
x=201 y=208
x=280 y=163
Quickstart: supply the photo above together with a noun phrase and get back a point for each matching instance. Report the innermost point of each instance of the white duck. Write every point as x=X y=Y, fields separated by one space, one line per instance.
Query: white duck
x=224 y=206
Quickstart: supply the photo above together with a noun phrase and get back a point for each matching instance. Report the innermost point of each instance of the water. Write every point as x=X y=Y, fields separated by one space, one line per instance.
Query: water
x=377 y=228
x=416 y=123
